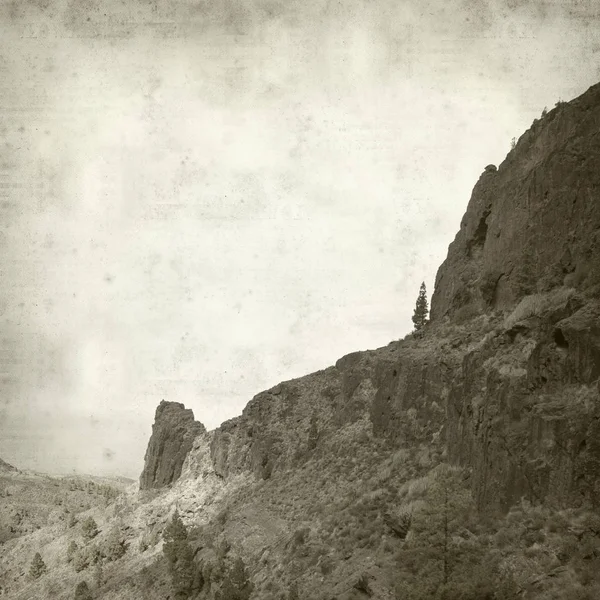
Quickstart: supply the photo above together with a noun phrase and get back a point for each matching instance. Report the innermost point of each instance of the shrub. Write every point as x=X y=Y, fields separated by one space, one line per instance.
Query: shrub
x=86 y=557
x=149 y=540
x=89 y=529
x=301 y=535
x=362 y=585
x=71 y=550
x=115 y=546
x=98 y=576
x=82 y=591
x=38 y=566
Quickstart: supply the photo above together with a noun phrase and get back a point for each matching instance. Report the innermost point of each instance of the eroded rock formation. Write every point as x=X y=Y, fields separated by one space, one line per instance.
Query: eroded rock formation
x=173 y=435
x=5 y=467
x=534 y=224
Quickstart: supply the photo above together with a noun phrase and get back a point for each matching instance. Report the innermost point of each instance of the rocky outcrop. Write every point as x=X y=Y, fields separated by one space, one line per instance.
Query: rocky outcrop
x=534 y=223
x=524 y=412
x=173 y=435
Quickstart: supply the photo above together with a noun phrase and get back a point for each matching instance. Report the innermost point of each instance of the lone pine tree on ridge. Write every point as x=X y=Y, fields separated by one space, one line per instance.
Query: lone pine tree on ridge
x=419 y=317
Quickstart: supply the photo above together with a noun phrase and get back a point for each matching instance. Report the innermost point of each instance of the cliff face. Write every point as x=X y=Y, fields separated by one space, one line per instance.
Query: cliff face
x=515 y=400
x=173 y=435
x=534 y=224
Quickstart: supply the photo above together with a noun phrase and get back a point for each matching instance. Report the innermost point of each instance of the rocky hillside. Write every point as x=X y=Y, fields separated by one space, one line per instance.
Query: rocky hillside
x=461 y=462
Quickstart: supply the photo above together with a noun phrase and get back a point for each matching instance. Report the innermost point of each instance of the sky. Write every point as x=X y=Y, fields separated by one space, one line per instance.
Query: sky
x=199 y=200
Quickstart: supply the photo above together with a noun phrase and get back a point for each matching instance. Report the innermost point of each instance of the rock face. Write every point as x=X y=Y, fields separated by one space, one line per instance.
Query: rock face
x=173 y=435
x=534 y=223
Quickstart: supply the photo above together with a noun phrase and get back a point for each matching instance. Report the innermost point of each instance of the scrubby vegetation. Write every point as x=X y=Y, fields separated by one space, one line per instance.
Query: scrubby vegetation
x=38 y=566
x=89 y=529
x=83 y=592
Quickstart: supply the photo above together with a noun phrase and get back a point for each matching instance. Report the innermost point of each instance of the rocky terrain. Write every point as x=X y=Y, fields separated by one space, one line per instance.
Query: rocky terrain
x=462 y=462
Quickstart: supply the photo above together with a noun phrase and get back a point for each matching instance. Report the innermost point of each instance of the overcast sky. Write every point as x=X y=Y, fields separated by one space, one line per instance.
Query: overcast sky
x=202 y=199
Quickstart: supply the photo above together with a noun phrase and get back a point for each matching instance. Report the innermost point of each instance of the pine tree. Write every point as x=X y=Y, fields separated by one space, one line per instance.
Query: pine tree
x=434 y=526
x=179 y=555
x=421 y=309
x=237 y=584
x=38 y=566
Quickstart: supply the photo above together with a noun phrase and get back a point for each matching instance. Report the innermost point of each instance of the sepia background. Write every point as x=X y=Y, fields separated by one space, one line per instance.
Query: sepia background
x=201 y=199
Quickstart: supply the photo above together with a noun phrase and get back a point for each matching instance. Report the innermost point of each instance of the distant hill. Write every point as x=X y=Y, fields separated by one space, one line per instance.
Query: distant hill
x=5 y=467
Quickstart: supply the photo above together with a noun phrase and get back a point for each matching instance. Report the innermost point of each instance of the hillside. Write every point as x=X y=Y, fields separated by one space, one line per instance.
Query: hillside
x=461 y=462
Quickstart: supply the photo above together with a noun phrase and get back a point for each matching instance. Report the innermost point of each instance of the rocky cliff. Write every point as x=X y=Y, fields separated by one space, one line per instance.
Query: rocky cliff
x=534 y=223
x=173 y=435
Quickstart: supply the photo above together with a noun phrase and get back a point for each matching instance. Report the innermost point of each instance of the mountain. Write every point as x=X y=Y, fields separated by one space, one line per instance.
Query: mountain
x=461 y=462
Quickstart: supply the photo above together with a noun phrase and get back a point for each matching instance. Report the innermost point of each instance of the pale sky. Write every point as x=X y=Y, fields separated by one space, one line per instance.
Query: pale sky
x=198 y=203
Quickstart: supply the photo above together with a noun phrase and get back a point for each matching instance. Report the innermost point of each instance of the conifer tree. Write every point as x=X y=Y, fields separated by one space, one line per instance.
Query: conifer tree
x=38 y=566
x=237 y=584
x=421 y=309
x=179 y=555
x=440 y=561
